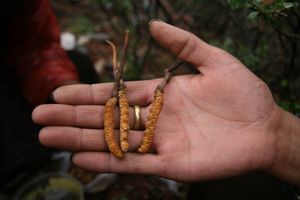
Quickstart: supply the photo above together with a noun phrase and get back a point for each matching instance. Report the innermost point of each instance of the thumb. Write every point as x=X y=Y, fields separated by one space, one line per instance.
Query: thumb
x=187 y=46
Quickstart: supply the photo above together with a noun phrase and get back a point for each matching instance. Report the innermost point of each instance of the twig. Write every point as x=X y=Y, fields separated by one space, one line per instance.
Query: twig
x=168 y=74
x=288 y=34
x=122 y=64
x=168 y=9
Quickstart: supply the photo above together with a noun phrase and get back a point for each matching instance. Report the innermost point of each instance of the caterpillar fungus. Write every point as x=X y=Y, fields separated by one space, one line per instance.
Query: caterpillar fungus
x=118 y=95
x=124 y=119
x=109 y=125
x=156 y=107
x=151 y=121
x=123 y=102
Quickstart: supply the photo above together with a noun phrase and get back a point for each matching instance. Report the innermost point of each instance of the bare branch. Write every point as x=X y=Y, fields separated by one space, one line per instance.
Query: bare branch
x=125 y=48
x=168 y=74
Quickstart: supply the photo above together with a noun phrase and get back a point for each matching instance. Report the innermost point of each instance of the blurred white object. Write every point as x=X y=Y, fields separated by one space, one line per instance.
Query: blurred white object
x=84 y=39
x=99 y=65
x=67 y=40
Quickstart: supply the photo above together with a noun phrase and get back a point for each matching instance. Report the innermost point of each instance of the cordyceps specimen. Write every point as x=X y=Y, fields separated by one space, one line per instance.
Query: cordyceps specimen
x=118 y=96
x=156 y=108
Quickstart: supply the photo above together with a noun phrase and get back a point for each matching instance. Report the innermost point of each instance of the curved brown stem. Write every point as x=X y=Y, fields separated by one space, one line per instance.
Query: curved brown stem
x=123 y=61
x=114 y=92
x=168 y=74
x=114 y=58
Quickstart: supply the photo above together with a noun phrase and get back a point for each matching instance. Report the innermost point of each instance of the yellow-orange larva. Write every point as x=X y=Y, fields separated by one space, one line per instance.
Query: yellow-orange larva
x=109 y=125
x=151 y=122
x=124 y=119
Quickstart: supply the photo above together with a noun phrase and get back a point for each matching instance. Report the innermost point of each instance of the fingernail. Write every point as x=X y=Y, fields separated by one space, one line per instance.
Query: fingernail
x=152 y=20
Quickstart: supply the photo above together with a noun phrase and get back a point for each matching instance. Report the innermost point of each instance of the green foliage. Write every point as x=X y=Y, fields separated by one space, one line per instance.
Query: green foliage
x=290 y=106
x=284 y=83
x=56 y=186
x=81 y=25
x=133 y=71
x=236 y=4
x=275 y=57
x=264 y=10
x=251 y=58
x=118 y=6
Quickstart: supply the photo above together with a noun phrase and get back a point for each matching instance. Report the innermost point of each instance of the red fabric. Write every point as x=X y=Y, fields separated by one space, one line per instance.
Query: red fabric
x=33 y=48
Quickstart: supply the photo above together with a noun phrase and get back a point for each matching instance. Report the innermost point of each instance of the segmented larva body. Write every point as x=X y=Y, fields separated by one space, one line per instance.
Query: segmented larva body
x=109 y=125
x=152 y=118
x=124 y=119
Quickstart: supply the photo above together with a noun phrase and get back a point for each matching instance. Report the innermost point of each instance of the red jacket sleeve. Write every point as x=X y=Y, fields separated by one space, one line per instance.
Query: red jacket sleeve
x=34 y=50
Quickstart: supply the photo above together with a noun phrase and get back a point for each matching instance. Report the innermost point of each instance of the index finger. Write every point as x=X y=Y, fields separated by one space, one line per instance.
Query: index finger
x=138 y=93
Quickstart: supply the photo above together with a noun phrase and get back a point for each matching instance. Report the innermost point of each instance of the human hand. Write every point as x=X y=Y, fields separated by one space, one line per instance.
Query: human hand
x=219 y=123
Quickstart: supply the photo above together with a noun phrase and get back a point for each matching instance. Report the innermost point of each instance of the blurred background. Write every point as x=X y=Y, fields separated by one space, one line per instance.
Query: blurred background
x=263 y=34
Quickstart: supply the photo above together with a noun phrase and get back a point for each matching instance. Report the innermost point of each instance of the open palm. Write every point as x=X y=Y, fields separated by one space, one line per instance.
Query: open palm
x=214 y=124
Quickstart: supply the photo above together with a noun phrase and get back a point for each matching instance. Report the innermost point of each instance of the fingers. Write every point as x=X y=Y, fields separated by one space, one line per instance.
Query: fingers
x=78 y=139
x=106 y=163
x=138 y=93
x=86 y=116
x=185 y=45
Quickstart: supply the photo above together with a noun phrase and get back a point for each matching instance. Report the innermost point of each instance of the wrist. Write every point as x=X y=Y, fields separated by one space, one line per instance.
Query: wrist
x=286 y=163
